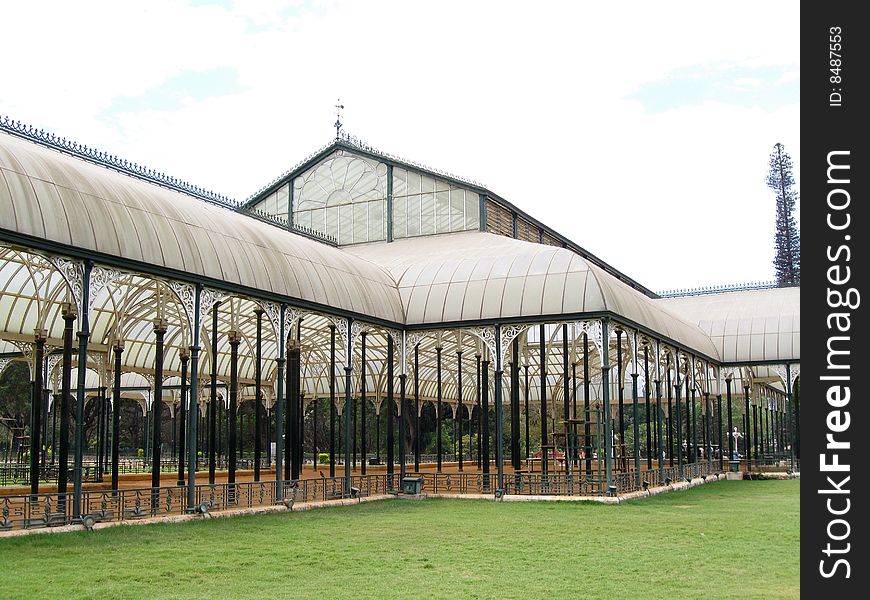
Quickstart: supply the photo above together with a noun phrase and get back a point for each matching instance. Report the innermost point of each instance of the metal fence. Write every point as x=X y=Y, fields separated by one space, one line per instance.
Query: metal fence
x=46 y=510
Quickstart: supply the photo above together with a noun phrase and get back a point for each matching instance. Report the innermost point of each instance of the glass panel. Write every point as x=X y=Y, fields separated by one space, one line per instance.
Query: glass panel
x=414 y=182
x=414 y=216
x=427 y=225
x=400 y=218
x=318 y=219
x=442 y=211
x=345 y=224
x=472 y=211
x=400 y=182
x=428 y=184
x=332 y=221
x=457 y=209
x=360 y=226
x=283 y=200
x=377 y=222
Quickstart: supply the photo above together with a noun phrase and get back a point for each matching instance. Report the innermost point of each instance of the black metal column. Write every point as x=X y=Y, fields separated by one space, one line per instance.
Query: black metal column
x=157 y=410
x=587 y=432
x=543 y=394
x=402 y=381
x=646 y=396
x=417 y=408
x=258 y=395
x=182 y=408
x=36 y=411
x=747 y=430
x=363 y=442
x=69 y=316
x=719 y=429
x=620 y=396
x=499 y=409
x=460 y=409
x=280 y=394
x=438 y=416
x=635 y=411
x=566 y=393
x=731 y=440
x=605 y=393
x=234 y=339
x=294 y=364
x=678 y=417
x=669 y=429
x=391 y=406
x=515 y=404
x=526 y=408
x=484 y=426
x=211 y=411
x=332 y=400
x=118 y=350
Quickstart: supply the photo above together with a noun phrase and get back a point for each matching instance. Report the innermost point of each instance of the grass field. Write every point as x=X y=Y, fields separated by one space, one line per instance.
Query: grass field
x=731 y=539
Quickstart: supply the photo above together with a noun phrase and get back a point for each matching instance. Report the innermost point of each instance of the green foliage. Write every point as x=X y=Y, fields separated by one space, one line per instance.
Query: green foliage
x=15 y=390
x=140 y=452
x=701 y=543
x=323 y=458
x=787 y=237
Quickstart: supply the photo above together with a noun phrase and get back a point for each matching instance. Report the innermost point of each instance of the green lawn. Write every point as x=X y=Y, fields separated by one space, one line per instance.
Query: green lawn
x=731 y=539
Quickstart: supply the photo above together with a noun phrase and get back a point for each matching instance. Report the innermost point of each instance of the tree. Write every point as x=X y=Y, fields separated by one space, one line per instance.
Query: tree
x=787 y=237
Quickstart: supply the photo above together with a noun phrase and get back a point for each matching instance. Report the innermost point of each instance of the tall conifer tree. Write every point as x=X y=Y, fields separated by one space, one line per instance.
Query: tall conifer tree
x=787 y=237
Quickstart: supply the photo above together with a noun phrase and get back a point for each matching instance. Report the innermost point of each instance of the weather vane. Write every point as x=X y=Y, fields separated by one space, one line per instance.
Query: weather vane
x=338 y=108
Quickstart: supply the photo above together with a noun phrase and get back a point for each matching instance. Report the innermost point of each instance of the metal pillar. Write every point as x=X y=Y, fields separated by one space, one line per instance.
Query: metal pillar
x=193 y=406
x=402 y=381
x=391 y=406
x=363 y=442
x=646 y=396
x=36 y=410
x=69 y=316
x=587 y=437
x=235 y=339
x=348 y=372
x=118 y=350
x=484 y=398
x=258 y=394
x=605 y=393
x=747 y=431
x=417 y=408
x=543 y=365
x=279 y=408
x=620 y=395
x=634 y=407
x=515 y=404
x=438 y=416
x=182 y=409
x=679 y=417
x=332 y=400
x=211 y=411
x=83 y=335
x=157 y=410
x=499 y=409
x=526 y=407
x=460 y=409
x=291 y=468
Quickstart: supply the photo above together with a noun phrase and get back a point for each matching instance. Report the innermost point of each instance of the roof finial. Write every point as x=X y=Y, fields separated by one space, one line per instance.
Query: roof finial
x=338 y=108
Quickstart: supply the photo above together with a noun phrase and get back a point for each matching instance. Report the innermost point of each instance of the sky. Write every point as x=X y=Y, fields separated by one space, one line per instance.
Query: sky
x=639 y=130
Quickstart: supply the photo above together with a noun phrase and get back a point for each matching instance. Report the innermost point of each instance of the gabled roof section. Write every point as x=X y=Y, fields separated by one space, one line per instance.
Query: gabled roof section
x=353 y=144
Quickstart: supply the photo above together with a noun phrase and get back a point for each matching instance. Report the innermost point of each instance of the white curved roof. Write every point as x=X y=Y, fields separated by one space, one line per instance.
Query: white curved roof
x=747 y=326
x=473 y=275
x=52 y=196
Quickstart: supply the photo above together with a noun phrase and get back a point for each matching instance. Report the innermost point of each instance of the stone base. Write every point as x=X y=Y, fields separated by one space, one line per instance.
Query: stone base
x=734 y=476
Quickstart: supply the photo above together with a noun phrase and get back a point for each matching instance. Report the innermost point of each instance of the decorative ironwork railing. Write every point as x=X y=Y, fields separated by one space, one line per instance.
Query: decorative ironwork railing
x=46 y=138
x=52 y=509
x=716 y=289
